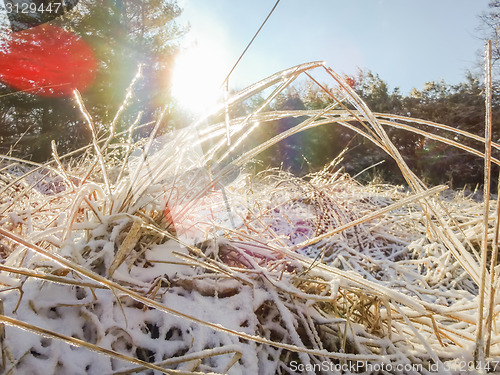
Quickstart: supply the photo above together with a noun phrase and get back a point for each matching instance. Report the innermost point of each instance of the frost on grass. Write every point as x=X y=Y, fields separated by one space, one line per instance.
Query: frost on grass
x=157 y=256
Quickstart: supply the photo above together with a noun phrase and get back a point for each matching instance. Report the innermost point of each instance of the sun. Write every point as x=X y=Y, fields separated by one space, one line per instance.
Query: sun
x=198 y=75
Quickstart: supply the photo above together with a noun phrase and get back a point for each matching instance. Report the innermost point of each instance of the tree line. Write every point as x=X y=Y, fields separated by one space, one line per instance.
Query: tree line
x=459 y=105
x=123 y=34
x=127 y=33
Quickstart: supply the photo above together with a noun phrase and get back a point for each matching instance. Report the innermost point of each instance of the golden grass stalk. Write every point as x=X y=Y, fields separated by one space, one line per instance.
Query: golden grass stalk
x=97 y=149
x=430 y=192
x=194 y=357
x=480 y=349
x=81 y=343
x=126 y=246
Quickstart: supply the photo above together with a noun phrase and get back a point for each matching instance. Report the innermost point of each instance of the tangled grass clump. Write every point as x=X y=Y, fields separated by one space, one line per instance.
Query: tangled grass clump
x=176 y=260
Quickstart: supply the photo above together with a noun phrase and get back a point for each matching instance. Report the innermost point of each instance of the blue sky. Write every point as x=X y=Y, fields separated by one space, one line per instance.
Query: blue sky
x=407 y=42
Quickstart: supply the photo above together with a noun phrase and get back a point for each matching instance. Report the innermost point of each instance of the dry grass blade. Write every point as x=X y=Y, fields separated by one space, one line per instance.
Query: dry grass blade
x=416 y=197
x=192 y=357
x=479 y=353
x=451 y=129
x=95 y=143
x=126 y=247
x=76 y=342
x=50 y=277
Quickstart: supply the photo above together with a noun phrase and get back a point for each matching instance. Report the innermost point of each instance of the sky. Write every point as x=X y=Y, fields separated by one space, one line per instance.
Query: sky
x=407 y=42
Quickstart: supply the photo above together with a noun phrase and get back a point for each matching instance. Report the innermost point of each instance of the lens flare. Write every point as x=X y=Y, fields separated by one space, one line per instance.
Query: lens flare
x=48 y=61
x=198 y=75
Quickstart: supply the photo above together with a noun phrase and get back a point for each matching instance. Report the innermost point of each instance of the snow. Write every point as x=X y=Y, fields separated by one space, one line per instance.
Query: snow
x=218 y=270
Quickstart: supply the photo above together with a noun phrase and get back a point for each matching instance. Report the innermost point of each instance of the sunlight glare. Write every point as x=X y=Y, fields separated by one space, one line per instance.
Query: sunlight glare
x=198 y=74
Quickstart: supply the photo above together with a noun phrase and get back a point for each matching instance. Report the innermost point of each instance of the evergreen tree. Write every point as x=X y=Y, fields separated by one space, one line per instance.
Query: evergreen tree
x=122 y=34
x=490 y=26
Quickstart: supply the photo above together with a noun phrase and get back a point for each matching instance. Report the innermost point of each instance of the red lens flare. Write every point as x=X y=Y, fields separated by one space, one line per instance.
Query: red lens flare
x=48 y=61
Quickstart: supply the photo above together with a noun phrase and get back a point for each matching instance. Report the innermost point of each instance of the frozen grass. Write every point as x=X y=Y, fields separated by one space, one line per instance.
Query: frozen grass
x=159 y=256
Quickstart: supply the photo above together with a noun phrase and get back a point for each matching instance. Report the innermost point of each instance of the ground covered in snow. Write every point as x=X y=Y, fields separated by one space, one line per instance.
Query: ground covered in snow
x=292 y=283
x=157 y=257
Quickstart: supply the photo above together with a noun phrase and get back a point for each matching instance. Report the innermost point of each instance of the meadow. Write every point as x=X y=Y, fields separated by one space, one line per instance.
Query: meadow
x=169 y=255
